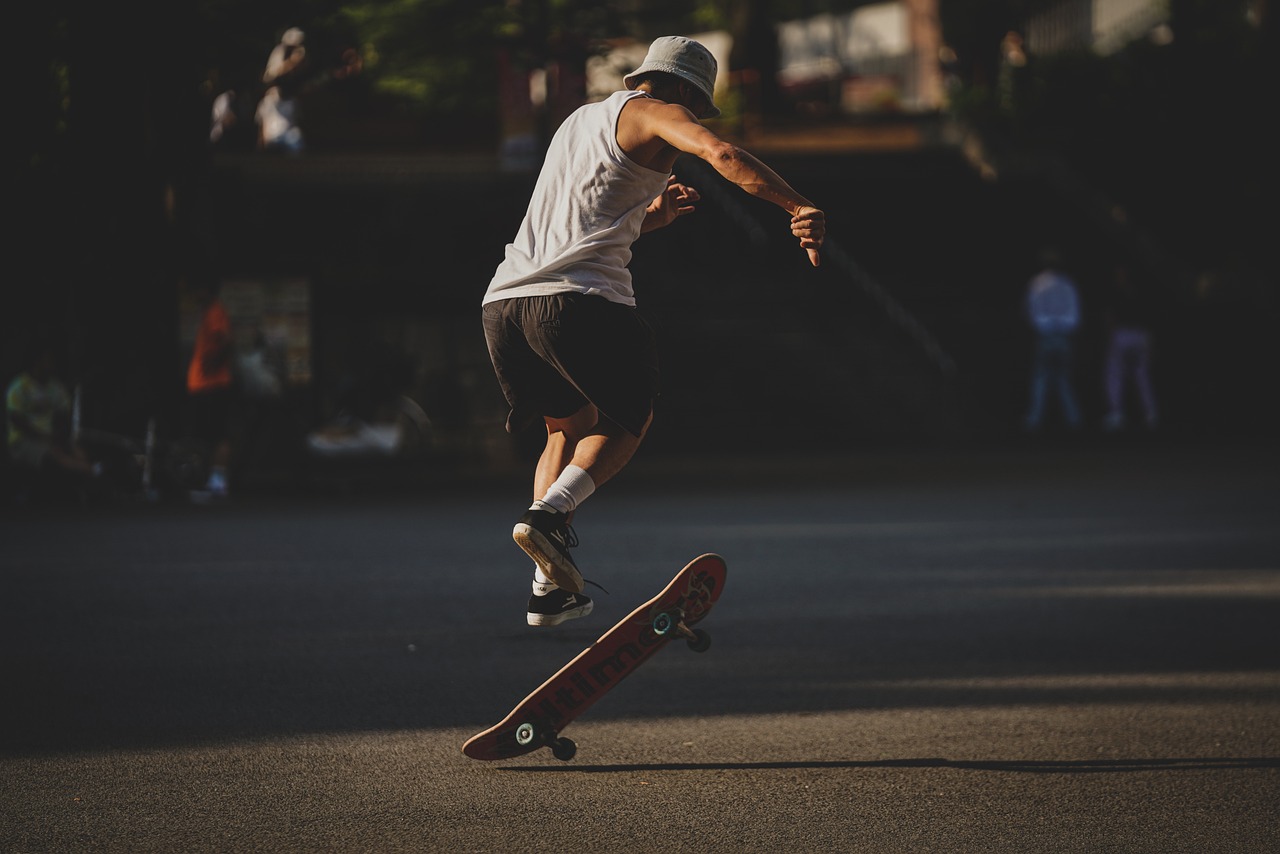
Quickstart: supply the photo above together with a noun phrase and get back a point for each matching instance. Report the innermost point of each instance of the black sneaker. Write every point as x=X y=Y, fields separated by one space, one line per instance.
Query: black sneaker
x=546 y=537
x=557 y=606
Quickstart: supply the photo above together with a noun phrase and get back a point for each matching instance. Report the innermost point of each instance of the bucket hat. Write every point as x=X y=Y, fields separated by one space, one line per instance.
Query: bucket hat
x=685 y=58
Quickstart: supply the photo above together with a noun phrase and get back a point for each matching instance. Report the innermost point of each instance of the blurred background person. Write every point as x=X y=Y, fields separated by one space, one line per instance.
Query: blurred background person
x=210 y=388
x=222 y=119
x=279 y=110
x=1128 y=352
x=1053 y=310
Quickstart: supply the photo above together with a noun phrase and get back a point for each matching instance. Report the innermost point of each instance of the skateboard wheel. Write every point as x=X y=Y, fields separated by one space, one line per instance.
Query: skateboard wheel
x=564 y=749
x=526 y=734
x=700 y=642
x=665 y=624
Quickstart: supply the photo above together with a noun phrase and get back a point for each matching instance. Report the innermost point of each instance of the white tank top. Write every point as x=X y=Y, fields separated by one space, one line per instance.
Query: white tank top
x=585 y=213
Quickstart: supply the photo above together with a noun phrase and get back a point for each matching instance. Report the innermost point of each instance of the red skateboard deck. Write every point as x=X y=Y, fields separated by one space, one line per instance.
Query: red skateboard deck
x=538 y=719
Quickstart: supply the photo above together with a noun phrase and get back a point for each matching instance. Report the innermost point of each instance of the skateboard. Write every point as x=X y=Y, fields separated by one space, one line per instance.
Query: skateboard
x=538 y=719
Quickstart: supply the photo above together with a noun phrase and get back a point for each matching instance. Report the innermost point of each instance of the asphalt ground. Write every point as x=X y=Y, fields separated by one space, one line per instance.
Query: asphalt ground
x=1048 y=649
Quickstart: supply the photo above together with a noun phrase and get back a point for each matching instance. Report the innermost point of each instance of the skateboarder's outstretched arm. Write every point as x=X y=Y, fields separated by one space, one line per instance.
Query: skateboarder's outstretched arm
x=654 y=133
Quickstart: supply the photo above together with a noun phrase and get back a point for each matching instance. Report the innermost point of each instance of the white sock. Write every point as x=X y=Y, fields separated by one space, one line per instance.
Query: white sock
x=541 y=584
x=571 y=488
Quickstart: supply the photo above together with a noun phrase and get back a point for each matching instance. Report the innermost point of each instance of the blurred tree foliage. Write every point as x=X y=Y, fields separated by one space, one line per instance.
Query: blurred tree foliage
x=433 y=60
x=147 y=61
x=436 y=58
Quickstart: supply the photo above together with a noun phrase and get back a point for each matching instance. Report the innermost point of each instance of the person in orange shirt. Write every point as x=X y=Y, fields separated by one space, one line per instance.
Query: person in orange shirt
x=210 y=389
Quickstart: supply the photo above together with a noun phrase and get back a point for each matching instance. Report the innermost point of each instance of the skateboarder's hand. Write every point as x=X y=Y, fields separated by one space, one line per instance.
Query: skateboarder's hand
x=675 y=201
x=810 y=225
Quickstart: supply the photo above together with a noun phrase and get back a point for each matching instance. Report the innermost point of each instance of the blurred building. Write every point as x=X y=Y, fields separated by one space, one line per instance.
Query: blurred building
x=1103 y=26
x=880 y=57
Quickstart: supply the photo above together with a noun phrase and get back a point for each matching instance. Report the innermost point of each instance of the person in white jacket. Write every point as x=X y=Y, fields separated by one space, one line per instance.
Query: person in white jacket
x=560 y=319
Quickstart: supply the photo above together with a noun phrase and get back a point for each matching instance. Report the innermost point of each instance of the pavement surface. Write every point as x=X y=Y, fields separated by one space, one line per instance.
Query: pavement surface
x=1064 y=649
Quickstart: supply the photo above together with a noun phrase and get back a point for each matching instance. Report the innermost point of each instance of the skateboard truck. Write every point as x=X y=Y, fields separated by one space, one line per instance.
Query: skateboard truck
x=670 y=624
x=531 y=734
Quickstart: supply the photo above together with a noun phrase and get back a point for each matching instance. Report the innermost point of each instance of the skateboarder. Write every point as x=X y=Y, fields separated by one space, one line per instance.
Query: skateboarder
x=566 y=341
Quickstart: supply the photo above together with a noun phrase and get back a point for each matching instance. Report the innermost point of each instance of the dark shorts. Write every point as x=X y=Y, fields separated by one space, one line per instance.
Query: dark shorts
x=555 y=354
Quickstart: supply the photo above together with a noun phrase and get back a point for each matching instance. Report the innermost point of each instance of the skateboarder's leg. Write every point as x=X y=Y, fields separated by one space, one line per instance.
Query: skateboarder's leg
x=582 y=452
x=562 y=440
x=588 y=441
